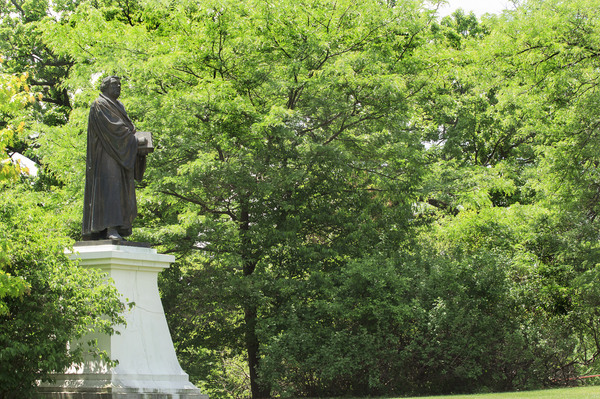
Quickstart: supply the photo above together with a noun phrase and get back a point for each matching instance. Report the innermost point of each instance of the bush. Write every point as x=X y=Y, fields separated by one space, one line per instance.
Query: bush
x=62 y=303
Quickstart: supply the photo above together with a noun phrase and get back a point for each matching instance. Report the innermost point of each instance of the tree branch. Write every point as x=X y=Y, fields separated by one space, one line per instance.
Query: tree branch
x=348 y=126
x=18 y=7
x=204 y=207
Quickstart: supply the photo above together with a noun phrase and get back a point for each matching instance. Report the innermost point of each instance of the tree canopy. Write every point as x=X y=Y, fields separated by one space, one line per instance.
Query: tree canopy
x=363 y=198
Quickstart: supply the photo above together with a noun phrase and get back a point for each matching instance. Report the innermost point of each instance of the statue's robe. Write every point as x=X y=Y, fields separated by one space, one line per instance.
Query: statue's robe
x=112 y=164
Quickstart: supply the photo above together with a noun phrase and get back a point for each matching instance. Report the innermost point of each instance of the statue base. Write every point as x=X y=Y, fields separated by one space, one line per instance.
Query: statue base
x=116 y=393
x=147 y=365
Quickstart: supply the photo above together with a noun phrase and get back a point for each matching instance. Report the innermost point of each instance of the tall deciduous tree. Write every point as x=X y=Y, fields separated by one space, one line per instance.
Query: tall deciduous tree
x=345 y=172
x=285 y=142
x=512 y=132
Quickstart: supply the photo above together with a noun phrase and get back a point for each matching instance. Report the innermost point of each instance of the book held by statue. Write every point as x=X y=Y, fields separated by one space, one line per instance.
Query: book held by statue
x=145 y=141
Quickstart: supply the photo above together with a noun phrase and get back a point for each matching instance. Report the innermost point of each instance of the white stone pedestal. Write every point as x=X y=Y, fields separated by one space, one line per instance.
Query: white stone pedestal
x=148 y=367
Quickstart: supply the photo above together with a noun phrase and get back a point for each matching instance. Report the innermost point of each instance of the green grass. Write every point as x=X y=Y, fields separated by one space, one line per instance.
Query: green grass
x=564 y=393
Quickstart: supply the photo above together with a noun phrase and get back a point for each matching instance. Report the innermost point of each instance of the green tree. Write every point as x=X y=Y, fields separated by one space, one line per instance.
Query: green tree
x=62 y=302
x=335 y=172
x=499 y=309
x=511 y=125
x=21 y=45
x=14 y=96
x=285 y=142
x=46 y=300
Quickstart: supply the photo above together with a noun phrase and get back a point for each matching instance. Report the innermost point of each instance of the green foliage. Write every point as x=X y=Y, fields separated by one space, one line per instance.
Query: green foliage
x=363 y=200
x=14 y=96
x=209 y=339
x=21 y=45
x=283 y=130
x=511 y=132
x=339 y=333
x=493 y=313
x=458 y=27
x=61 y=302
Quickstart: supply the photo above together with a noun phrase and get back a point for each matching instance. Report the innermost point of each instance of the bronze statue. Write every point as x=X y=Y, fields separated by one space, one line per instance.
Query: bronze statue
x=116 y=155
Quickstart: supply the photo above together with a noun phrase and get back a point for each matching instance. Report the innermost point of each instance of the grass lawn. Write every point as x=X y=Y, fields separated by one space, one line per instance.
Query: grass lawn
x=564 y=393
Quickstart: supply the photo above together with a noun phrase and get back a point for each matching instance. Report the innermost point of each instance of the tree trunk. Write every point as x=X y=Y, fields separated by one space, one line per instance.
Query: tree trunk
x=259 y=391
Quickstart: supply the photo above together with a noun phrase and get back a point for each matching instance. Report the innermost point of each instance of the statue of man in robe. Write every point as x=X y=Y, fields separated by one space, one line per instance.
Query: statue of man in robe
x=113 y=162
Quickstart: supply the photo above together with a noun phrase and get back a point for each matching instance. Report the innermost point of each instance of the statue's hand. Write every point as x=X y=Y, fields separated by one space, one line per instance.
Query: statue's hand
x=142 y=141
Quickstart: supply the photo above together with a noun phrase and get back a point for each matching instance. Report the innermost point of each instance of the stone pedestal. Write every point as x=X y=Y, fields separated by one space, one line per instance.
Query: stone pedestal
x=148 y=367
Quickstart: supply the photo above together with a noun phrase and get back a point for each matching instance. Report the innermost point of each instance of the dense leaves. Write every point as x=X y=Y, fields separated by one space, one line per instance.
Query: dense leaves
x=47 y=302
x=14 y=96
x=62 y=301
x=363 y=199
x=283 y=129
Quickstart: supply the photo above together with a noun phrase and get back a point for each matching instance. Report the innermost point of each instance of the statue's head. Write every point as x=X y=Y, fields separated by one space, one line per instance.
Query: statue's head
x=111 y=86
